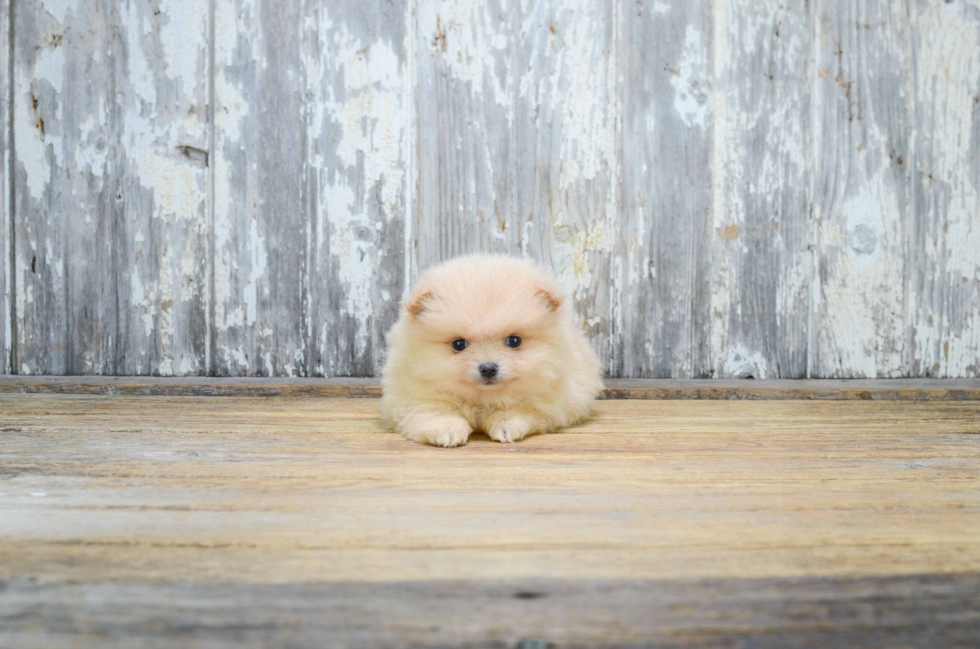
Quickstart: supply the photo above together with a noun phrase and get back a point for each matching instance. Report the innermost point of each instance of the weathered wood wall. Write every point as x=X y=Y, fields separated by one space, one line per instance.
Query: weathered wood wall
x=728 y=188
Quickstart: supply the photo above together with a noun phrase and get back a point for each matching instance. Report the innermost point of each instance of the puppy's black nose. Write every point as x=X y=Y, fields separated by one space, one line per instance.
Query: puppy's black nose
x=488 y=370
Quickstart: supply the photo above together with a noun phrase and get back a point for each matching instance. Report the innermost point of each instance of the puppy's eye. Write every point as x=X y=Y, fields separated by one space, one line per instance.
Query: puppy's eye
x=513 y=342
x=459 y=345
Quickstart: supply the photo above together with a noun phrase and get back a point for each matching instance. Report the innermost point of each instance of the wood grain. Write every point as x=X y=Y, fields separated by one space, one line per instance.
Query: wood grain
x=111 y=115
x=913 y=611
x=64 y=127
x=6 y=212
x=666 y=201
x=944 y=258
x=261 y=217
x=861 y=191
x=762 y=264
x=159 y=168
x=732 y=519
x=726 y=188
x=517 y=117
x=657 y=389
x=359 y=179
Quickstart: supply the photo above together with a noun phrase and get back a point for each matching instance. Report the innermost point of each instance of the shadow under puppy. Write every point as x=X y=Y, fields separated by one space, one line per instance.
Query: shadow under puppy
x=488 y=343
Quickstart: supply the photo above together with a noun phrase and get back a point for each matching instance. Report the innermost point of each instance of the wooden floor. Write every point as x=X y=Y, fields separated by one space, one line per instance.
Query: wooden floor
x=206 y=521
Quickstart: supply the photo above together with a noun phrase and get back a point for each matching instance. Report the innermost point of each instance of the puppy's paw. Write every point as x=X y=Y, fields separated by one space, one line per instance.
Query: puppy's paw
x=509 y=430
x=439 y=430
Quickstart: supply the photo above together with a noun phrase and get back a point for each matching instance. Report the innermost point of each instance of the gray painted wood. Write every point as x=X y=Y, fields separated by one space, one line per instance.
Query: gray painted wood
x=760 y=238
x=726 y=188
x=944 y=257
x=861 y=189
x=666 y=201
x=64 y=235
x=261 y=213
x=110 y=121
x=517 y=146
x=6 y=241
x=359 y=177
x=160 y=168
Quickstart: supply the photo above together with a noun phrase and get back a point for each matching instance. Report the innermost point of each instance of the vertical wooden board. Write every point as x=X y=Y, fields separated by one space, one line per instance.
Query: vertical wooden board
x=6 y=240
x=760 y=239
x=63 y=106
x=466 y=90
x=861 y=188
x=159 y=169
x=663 y=283
x=945 y=254
x=566 y=163
x=517 y=140
x=261 y=216
x=359 y=134
x=110 y=187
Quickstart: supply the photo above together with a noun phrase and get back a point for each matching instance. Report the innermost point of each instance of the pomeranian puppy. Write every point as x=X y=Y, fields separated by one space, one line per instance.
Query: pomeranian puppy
x=487 y=343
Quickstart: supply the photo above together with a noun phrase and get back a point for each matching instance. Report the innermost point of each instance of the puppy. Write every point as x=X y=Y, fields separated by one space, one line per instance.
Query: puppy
x=488 y=343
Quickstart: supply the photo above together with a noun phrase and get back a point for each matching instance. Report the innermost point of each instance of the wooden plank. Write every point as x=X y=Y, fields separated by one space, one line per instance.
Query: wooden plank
x=261 y=213
x=565 y=164
x=517 y=140
x=863 y=121
x=6 y=212
x=465 y=143
x=944 y=260
x=773 y=389
x=909 y=611
x=111 y=185
x=666 y=202
x=761 y=235
x=64 y=119
x=137 y=519
x=360 y=130
x=158 y=165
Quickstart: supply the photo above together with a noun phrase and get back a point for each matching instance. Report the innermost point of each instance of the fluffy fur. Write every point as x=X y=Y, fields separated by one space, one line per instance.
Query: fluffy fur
x=435 y=395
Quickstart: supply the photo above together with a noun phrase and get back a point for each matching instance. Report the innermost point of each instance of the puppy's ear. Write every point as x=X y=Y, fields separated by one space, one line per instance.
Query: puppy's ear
x=551 y=296
x=416 y=303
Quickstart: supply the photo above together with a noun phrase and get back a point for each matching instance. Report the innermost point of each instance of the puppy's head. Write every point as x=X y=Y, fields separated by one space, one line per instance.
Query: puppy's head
x=485 y=328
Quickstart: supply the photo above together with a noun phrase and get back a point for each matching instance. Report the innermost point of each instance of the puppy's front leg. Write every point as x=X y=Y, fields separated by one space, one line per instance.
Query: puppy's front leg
x=510 y=427
x=438 y=429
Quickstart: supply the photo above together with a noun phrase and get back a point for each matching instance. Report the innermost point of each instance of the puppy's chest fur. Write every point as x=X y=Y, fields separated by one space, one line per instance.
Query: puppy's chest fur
x=479 y=414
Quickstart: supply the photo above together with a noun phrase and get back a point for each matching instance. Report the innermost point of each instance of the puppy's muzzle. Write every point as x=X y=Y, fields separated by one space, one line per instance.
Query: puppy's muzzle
x=488 y=372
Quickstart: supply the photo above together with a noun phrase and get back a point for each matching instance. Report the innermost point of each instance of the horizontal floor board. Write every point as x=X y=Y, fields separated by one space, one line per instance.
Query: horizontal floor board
x=161 y=520
x=813 y=389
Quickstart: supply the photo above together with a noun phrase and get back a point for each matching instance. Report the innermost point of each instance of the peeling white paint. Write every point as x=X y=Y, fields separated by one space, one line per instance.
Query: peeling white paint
x=371 y=112
x=469 y=38
x=58 y=9
x=744 y=363
x=691 y=81
x=550 y=64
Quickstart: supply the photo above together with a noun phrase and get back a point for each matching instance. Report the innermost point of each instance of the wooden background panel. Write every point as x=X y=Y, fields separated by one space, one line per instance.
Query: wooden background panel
x=565 y=172
x=465 y=114
x=944 y=259
x=726 y=188
x=861 y=191
x=517 y=140
x=359 y=178
x=6 y=240
x=761 y=262
x=111 y=187
x=261 y=218
x=665 y=205
x=158 y=167
x=64 y=118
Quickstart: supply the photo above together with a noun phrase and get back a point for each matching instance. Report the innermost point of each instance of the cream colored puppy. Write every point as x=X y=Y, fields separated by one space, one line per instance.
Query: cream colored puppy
x=486 y=343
